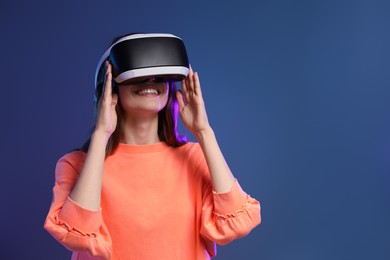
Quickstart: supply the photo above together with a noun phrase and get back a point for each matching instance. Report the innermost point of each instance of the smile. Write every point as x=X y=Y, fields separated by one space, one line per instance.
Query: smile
x=147 y=91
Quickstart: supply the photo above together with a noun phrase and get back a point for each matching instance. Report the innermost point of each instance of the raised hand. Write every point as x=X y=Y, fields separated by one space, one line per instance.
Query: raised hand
x=107 y=118
x=191 y=106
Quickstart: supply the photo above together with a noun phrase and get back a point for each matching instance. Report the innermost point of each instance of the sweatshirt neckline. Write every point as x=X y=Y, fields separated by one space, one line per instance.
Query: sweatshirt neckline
x=141 y=149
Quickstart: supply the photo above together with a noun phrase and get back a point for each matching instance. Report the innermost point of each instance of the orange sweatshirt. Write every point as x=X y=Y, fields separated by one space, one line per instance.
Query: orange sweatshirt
x=157 y=203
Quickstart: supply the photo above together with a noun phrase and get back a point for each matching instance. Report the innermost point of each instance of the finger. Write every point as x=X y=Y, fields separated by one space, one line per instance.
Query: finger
x=114 y=100
x=179 y=97
x=184 y=85
x=108 y=82
x=105 y=72
x=191 y=81
x=197 y=88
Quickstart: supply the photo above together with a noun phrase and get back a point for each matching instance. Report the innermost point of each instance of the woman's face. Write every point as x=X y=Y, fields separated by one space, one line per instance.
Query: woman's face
x=150 y=96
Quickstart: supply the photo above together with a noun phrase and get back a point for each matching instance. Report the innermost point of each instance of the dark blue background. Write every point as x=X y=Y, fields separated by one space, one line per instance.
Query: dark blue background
x=296 y=91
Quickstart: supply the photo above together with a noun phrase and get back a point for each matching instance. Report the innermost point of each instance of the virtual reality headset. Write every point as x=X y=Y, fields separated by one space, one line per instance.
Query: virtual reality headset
x=137 y=57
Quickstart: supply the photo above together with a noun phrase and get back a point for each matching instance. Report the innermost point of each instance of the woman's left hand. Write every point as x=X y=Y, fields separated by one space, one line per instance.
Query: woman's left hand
x=191 y=107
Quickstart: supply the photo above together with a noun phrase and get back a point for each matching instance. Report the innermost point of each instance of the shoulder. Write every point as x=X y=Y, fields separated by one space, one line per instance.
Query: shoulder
x=190 y=146
x=72 y=160
x=73 y=157
x=191 y=149
x=192 y=153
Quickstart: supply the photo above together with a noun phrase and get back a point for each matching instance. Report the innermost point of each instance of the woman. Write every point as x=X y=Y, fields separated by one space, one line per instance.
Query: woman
x=139 y=191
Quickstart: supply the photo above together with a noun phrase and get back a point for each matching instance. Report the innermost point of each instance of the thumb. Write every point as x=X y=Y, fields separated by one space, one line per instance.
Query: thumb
x=114 y=100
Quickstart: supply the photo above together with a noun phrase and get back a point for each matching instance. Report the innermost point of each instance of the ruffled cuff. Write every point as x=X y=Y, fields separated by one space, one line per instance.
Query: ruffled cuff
x=78 y=218
x=231 y=202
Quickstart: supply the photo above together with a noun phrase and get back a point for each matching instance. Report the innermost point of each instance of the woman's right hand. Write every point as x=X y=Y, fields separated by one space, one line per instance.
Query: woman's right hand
x=107 y=118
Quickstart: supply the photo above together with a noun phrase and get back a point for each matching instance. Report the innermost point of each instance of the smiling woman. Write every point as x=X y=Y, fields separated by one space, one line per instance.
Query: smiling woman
x=137 y=190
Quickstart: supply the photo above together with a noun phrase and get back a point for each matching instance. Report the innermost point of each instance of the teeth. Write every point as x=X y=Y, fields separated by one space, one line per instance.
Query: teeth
x=147 y=92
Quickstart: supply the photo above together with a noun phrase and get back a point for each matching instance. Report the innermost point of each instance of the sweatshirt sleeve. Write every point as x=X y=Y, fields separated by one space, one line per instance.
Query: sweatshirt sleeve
x=78 y=229
x=227 y=216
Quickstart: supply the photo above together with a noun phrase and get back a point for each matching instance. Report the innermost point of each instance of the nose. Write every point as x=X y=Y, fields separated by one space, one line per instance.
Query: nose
x=156 y=80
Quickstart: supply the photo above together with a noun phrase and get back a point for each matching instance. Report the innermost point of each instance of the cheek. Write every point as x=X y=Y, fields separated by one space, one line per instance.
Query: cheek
x=125 y=99
x=122 y=92
x=166 y=94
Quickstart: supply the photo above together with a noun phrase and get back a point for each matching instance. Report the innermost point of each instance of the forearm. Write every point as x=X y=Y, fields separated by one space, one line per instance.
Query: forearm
x=87 y=191
x=222 y=178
